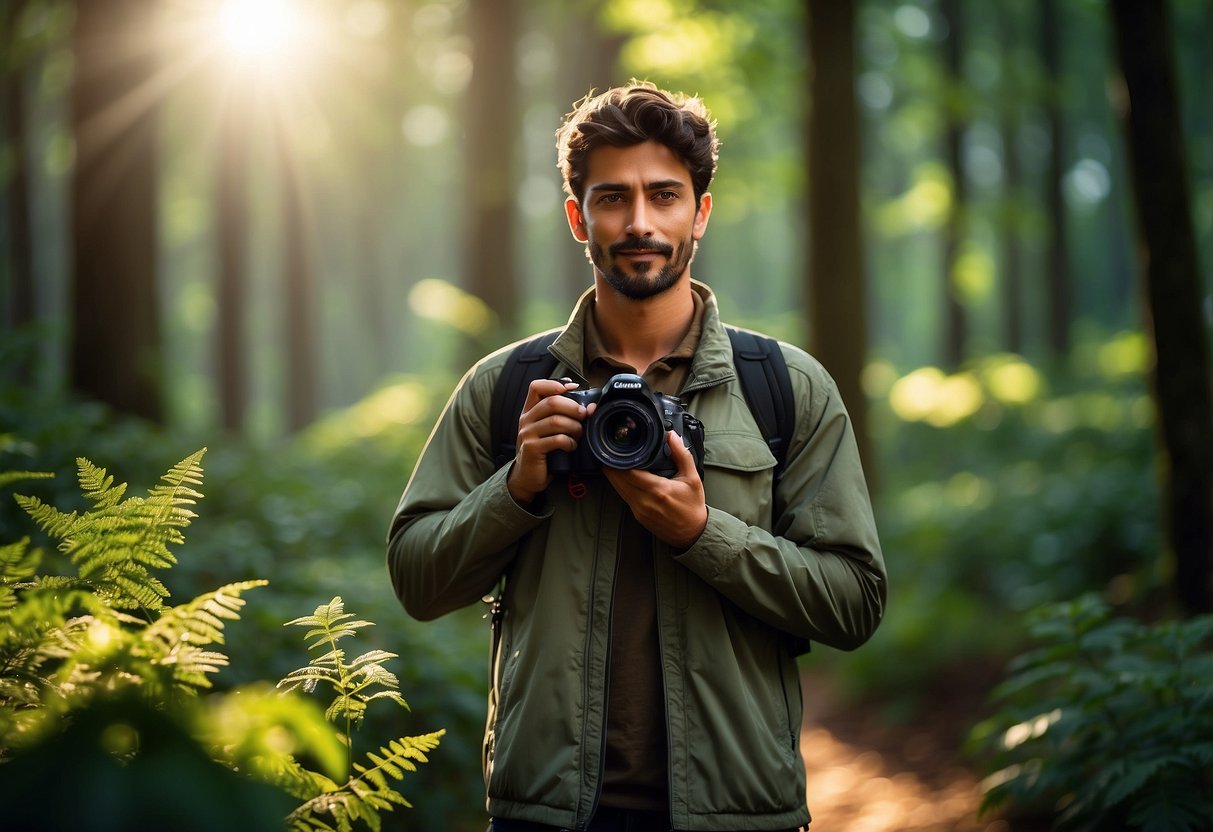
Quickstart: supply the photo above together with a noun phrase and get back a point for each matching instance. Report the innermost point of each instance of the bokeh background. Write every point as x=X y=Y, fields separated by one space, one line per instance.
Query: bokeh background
x=283 y=229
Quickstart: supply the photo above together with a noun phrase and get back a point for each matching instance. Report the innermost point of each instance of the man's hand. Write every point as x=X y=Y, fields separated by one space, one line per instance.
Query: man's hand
x=549 y=422
x=675 y=509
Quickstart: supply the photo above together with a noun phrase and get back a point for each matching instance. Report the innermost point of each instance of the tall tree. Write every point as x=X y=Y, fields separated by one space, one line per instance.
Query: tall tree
x=17 y=187
x=115 y=351
x=231 y=295
x=1058 y=291
x=302 y=394
x=589 y=59
x=955 y=329
x=1011 y=225
x=493 y=127
x=835 y=281
x=1167 y=245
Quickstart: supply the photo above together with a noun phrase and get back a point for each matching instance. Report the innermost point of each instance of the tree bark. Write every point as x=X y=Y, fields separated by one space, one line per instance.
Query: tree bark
x=22 y=311
x=493 y=126
x=115 y=351
x=1011 y=226
x=1167 y=246
x=231 y=295
x=835 y=280
x=1057 y=264
x=955 y=327
x=297 y=292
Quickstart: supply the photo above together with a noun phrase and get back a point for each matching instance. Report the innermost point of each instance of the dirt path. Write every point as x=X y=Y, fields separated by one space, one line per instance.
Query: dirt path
x=865 y=777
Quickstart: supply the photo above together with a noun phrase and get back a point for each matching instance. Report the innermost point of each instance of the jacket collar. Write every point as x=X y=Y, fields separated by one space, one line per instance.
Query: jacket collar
x=713 y=362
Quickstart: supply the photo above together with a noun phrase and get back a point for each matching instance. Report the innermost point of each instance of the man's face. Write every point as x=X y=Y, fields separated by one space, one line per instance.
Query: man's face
x=638 y=218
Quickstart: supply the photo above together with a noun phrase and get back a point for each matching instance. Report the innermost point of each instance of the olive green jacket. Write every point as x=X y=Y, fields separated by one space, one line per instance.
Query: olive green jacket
x=776 y=567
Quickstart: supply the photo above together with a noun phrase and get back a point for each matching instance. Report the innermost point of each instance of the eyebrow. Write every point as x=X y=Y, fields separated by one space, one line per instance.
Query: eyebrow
x=618 y=187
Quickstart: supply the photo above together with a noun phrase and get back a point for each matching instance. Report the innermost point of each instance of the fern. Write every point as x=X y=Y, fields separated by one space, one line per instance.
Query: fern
x=116 y=545
x=368 y=791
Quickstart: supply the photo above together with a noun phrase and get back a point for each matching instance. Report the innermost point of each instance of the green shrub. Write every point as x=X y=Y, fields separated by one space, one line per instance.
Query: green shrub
x=1107 y=722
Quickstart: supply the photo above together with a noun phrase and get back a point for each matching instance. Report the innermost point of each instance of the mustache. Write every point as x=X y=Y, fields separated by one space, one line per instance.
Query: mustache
x=642 y=244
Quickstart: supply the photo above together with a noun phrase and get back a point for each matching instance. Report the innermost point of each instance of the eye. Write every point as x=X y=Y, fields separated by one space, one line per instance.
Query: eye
x=665 y=196
x=610 y=198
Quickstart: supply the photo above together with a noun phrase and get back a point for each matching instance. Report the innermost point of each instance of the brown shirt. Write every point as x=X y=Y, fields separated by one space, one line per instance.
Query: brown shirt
x=635 y=774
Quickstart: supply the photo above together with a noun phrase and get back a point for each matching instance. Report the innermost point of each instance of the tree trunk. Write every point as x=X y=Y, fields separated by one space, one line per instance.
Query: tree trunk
x=297 y=292
x=1057 y=264
x=1167 y=245
x=1011 y=226
x=955 y=327
x=115 y=332
x=231 y=296
x=589 y=60
x=493 y=127
x=21 y=301
x=835 y=279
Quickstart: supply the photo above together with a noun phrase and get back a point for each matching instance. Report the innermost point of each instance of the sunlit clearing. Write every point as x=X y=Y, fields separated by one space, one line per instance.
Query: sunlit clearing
x=380 y=414
x=442 y=302
x=264 y=32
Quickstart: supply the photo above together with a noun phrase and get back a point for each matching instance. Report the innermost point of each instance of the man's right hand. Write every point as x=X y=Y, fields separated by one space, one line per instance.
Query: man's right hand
x=549 y=422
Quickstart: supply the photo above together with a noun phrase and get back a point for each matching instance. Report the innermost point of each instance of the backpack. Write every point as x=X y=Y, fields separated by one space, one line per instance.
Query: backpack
x=757 y=358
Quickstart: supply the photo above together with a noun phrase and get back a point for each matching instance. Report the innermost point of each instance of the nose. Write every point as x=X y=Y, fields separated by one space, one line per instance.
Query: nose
x=638 y=223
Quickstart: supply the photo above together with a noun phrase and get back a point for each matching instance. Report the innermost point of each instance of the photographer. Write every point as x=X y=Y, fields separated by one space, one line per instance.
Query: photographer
x=644 y=666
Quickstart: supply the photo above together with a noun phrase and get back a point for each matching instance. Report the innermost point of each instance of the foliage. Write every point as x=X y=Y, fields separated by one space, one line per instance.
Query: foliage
x=1107 y=718
x=94 y=659
x=356 y=684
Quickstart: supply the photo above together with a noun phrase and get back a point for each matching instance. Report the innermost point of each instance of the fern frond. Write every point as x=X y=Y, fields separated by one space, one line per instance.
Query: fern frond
x=366 y=796
x=98 y=485
x=116 y=545
x=9 y=477
x=201 y=621
x=51 y=520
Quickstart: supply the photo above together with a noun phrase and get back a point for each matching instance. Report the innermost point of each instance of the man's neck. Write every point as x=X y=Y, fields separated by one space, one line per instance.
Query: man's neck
x=639 y=332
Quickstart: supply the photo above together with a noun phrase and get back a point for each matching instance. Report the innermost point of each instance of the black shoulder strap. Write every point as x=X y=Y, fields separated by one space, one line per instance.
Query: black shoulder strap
x=758 y=359
x=527 y=361
x=768 y=389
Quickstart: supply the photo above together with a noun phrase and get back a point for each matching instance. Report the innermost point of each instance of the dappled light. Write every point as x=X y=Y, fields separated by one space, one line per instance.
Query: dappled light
x=285 y=229
x=438 y=300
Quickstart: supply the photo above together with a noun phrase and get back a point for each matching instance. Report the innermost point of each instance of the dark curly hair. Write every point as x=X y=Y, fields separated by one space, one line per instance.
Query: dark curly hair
x=631 y=115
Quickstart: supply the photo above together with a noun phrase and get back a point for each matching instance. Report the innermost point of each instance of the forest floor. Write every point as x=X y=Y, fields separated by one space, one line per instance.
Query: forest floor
x=867 y=775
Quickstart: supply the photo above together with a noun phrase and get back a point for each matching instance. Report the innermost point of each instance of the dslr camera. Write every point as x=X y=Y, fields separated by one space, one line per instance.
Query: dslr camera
x=628 y=430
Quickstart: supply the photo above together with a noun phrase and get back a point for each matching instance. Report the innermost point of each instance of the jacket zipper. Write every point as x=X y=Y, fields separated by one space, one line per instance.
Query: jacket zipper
x=584 y=823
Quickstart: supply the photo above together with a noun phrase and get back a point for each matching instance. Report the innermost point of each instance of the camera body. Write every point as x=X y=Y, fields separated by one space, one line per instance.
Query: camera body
x=628 y=430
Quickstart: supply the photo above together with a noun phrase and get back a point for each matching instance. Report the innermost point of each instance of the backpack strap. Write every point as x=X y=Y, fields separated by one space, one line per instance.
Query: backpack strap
x=527 y=361
x=768 y=389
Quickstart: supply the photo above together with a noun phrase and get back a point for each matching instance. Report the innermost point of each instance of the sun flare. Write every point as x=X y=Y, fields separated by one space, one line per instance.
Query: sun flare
x=266 y=32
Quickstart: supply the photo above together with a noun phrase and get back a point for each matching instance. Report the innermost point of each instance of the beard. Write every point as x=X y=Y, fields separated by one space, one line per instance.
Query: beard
x=641 y=284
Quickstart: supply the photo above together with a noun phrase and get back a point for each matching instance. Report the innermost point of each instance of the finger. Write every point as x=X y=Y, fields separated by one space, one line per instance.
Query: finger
x=683 y=458
x=542 y=388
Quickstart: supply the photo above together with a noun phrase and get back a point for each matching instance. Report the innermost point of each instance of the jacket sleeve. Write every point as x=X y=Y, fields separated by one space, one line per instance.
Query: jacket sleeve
x=456 y=527
x=818 y=573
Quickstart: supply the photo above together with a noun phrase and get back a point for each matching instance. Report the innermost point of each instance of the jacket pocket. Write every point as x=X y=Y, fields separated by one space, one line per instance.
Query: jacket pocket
x=738 y=477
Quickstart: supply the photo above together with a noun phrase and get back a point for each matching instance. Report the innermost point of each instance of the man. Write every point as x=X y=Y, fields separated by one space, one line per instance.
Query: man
x=645 y=675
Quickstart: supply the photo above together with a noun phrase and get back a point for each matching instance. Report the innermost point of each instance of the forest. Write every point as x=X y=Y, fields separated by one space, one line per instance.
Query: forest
x=249 y=247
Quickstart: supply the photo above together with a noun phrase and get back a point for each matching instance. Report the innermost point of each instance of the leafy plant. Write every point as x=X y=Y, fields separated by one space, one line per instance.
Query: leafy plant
x=1107 y=721
x=355 y=684
x=105 y=629
x=95 y=666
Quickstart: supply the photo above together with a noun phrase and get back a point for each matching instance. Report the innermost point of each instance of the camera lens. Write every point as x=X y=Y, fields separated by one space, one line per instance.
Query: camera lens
x=622 y=434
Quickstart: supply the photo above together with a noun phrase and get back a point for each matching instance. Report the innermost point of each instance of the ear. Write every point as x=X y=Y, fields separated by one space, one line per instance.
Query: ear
x=701 y=216
x=576 y=220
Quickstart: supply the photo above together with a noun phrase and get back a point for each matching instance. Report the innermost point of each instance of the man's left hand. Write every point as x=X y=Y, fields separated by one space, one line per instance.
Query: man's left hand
x=674 y=509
